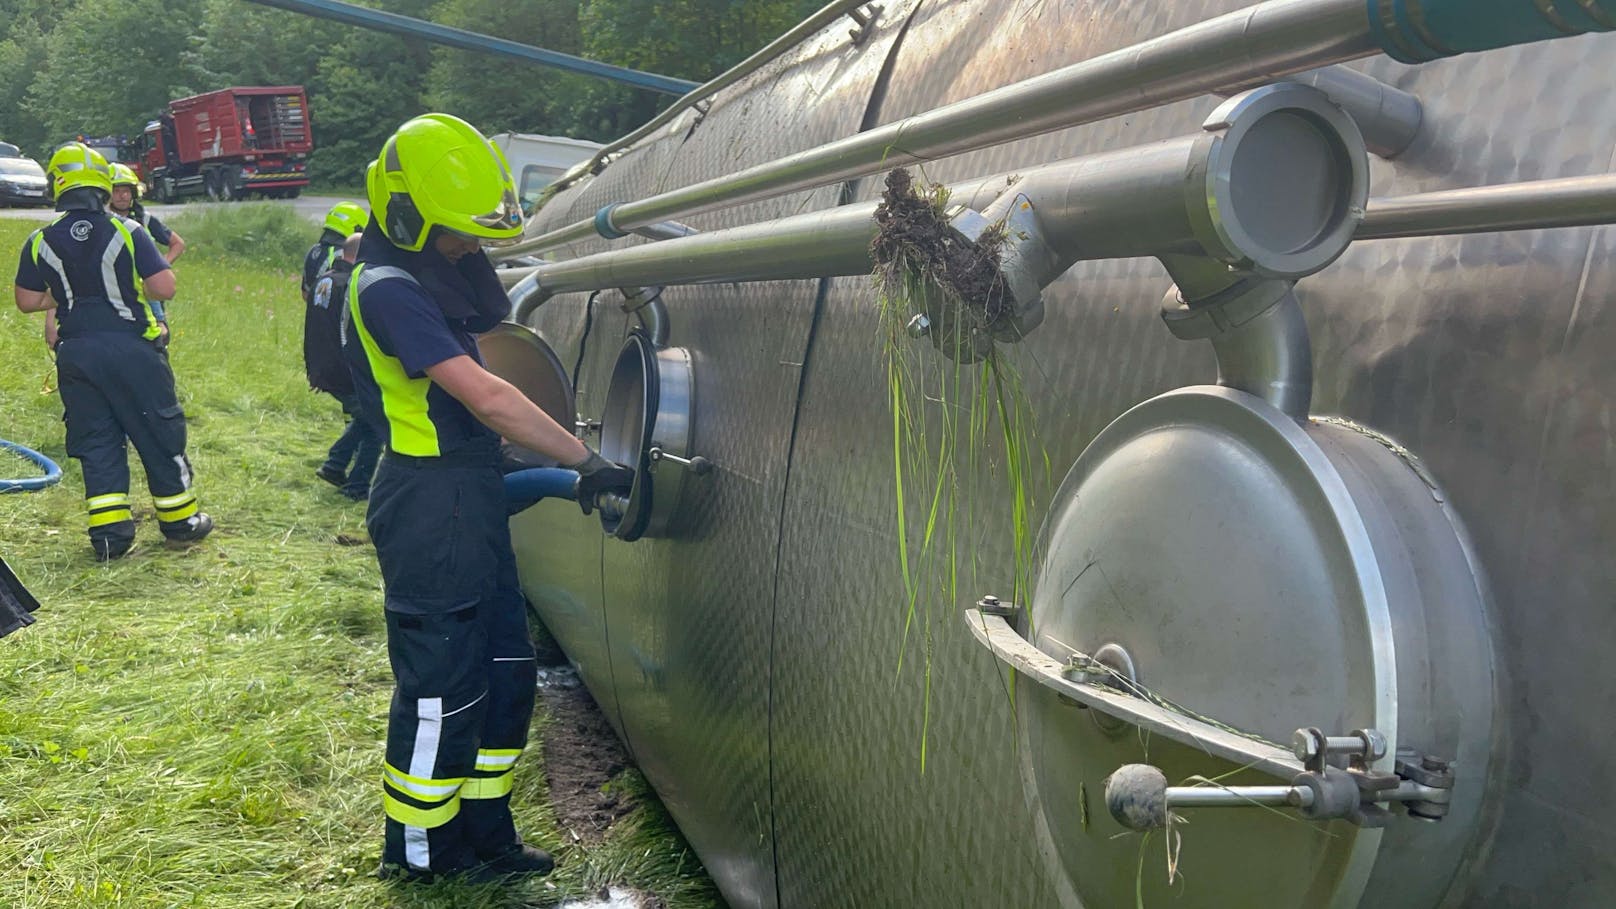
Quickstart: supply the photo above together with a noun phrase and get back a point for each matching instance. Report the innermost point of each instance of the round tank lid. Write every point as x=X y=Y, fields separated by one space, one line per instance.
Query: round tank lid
x=518 y=355
x=1205 y=549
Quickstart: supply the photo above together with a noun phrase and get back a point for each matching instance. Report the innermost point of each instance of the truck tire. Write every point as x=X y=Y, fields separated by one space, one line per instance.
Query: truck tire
x=210 y=179
x=294 y=192
x=227 y=186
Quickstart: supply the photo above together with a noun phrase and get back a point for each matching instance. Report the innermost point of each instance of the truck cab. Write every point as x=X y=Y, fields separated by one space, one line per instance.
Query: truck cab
x=537 y=161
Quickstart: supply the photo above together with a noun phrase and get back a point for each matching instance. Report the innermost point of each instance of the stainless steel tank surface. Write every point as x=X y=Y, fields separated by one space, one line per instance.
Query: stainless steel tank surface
x=1362 y=651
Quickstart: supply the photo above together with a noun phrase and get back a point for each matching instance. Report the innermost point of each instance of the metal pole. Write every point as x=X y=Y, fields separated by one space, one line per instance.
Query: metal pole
x=1235 y=797
x=1269 y=40
x=734 y=74
x=1177 y=197
x=458 y=37
x=1571 y=202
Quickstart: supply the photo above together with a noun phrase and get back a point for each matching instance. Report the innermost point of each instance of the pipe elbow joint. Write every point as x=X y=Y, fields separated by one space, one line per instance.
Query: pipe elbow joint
x=527 y=295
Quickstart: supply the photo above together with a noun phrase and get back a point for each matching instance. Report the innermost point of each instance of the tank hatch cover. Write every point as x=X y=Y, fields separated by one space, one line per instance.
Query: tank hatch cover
x=518 y=355
x=1215 y=578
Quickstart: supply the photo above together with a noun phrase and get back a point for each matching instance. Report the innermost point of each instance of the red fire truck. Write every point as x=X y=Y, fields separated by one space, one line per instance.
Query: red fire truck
x=230 y=144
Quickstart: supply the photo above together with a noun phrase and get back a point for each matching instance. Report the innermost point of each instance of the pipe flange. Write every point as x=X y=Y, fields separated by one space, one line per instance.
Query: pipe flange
x=1252 y=192
x=1197 y=320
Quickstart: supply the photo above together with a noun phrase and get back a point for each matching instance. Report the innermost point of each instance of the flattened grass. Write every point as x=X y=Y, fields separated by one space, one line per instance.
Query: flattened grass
x=203 y=727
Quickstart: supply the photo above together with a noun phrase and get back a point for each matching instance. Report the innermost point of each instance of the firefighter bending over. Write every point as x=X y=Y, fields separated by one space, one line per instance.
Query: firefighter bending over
x=457 y=634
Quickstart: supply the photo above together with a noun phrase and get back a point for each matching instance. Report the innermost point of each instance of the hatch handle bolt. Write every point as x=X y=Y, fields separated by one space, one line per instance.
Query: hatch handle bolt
x=697 y=465
x=1315 y=749
x=990 y=604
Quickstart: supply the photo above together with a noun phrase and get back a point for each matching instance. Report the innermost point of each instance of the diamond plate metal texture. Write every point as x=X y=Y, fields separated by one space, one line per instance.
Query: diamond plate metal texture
x=1488 y=356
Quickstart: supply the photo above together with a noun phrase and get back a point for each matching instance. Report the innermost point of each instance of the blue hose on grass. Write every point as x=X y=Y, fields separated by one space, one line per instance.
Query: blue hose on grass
x=53 y=473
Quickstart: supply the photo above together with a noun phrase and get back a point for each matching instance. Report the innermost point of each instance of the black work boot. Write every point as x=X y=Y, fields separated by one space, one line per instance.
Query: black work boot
x=113 y=541
x=332 y=475
x=190 y=530
x=523 y=860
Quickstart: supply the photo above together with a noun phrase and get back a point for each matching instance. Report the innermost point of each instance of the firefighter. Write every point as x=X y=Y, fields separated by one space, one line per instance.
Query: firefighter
x=457 y=634
x=126 y=204
x=126 y=201
x=115 y=382
x=327 y=371
x=343 y=220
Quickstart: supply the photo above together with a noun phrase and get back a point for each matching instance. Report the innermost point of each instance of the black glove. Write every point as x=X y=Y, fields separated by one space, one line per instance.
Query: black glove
x=597 y=475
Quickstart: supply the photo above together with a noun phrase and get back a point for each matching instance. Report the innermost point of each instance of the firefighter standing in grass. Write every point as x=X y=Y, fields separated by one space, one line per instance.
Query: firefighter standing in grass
x=101 y=272
x=343 y=220
x=360 y=444
x=126 y=203
x=457 y=634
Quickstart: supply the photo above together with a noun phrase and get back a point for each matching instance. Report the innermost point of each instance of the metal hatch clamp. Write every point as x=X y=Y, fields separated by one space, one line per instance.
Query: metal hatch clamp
x=1138 y=796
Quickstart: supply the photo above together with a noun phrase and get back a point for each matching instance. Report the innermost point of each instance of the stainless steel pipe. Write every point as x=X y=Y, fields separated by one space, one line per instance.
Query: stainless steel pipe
x=1265 y=41
x=1570 y=202
x=1388 y=117
x=1272 y=186
x=801 y=32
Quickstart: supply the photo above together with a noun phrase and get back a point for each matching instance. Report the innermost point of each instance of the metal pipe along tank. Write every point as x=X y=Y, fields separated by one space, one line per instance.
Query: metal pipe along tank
x=1266 y=41
x=1421 y=564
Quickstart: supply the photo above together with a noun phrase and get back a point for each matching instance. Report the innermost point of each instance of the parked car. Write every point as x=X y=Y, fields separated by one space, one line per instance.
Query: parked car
x=22 y=182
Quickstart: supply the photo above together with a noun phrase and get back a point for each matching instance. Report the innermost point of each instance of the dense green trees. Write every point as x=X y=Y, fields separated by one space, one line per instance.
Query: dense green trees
x=76 y=66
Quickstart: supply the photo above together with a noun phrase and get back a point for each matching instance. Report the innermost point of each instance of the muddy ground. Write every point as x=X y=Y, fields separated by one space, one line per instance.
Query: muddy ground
x=581 y=755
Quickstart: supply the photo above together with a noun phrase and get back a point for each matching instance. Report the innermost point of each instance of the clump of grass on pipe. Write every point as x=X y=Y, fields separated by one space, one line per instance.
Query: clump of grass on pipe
x=924 y=268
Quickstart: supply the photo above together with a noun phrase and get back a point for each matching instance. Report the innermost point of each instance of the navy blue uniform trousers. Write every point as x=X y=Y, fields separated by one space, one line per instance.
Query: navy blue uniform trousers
x=463 y=662
x=117 y=389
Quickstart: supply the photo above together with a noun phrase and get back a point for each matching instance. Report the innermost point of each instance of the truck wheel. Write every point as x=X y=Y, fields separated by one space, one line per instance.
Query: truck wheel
x=211 y=181
x=294 y=192
x=227 y=188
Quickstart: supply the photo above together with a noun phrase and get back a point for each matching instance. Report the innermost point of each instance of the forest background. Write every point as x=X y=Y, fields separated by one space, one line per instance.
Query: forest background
x=97 y=68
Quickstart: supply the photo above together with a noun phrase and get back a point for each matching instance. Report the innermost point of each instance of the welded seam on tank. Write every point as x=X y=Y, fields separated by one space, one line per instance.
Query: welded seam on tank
x=849 y=192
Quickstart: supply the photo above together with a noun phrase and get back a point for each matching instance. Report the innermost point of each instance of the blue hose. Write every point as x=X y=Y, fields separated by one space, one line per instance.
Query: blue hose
x=1416 y=31
x=524 y=488
x=53 y=473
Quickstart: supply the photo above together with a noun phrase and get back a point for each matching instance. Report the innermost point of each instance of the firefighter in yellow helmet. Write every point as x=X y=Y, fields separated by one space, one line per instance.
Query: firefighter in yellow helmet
x=456 y=622
x=126 y=204
x=105 y=272
x=343 y=220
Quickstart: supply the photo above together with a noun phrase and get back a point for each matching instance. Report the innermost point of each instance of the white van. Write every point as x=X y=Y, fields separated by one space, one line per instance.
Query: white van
x=536 y=161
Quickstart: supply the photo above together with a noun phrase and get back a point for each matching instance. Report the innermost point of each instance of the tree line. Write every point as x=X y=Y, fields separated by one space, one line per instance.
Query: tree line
x=99 y=68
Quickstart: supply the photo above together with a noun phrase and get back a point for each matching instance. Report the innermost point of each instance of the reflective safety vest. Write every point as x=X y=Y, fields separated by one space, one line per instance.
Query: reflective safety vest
x=404 y=399
x=84 y=284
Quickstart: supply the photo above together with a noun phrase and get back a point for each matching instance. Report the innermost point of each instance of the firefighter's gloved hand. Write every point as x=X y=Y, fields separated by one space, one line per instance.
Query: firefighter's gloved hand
x=596 y=475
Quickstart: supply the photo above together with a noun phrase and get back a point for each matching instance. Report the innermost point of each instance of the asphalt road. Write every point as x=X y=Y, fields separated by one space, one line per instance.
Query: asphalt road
x=310 y=207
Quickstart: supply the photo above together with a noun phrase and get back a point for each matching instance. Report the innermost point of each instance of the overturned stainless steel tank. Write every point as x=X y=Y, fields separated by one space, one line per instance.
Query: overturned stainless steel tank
x=1336 y=528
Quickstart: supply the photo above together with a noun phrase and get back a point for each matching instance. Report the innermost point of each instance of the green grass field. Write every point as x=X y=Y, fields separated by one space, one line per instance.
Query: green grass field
x=203 y=727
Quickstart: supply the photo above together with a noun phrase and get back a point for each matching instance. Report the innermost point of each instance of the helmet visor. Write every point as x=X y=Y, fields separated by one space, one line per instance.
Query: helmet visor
x=506 y=217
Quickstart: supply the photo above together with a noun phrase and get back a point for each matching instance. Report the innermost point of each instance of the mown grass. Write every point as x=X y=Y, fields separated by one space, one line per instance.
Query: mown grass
x=203 y=727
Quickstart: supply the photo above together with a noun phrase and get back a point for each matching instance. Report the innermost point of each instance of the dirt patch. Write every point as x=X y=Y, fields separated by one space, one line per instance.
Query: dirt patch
x=914 y=240
x=581 y=755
